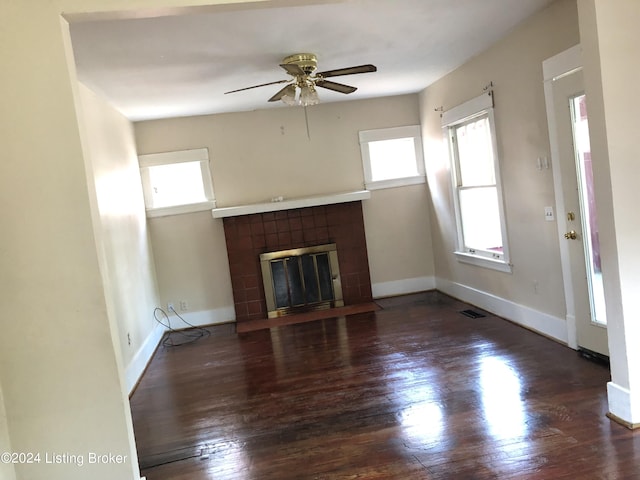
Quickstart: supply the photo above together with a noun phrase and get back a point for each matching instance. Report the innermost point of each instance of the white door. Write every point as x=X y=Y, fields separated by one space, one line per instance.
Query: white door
x=580 y=220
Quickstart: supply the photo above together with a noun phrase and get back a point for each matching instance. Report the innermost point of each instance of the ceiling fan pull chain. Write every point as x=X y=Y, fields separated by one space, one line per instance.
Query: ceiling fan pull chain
x=306 y=121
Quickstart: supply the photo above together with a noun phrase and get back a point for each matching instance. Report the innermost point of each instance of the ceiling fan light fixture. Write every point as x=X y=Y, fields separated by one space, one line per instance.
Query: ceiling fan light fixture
x=308 y=95
x=289 y=95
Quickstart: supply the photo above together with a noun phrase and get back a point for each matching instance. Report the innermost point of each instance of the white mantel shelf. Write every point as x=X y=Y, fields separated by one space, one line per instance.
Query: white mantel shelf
x=288 y=204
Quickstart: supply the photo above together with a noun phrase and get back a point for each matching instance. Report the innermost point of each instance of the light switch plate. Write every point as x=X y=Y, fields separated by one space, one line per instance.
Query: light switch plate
x=548 y=214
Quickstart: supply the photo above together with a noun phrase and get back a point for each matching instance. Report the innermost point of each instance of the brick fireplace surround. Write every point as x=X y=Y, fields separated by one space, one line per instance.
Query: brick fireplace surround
x=248 y=236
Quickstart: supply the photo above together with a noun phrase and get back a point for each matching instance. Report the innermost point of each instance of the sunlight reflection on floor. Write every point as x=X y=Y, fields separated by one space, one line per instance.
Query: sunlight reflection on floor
x=502 y=404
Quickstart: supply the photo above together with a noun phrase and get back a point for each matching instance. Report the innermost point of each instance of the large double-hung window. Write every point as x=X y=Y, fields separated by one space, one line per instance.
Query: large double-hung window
x=481 y=230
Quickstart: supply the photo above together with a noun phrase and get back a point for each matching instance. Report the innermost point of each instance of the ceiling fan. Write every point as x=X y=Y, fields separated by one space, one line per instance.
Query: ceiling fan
x=301 y=89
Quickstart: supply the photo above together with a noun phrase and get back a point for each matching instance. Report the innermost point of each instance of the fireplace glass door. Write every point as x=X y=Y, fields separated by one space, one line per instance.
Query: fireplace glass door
x=301 y=279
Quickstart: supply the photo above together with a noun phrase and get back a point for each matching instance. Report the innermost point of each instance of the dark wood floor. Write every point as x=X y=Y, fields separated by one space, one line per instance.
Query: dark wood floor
x=415 y=390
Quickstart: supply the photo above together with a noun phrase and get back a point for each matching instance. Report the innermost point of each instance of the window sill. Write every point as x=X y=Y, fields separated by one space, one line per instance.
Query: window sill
x=478 y=261
x=396 y=182
x=180 y=209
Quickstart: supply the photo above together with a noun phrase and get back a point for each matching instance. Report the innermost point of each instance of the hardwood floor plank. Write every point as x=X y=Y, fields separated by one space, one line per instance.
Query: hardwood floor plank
x=415 y=390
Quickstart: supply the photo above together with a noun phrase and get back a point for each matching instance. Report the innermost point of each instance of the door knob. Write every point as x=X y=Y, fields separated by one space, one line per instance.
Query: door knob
x=572 y=235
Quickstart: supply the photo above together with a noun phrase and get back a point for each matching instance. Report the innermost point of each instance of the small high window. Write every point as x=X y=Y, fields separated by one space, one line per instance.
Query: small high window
x=176 y=182
x=476 y=181
x=392 y=157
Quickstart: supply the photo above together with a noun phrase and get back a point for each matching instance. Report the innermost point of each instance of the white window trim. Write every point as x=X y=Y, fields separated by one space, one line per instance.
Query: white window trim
x=154 y=159
x=411 y=131
x=481 y=105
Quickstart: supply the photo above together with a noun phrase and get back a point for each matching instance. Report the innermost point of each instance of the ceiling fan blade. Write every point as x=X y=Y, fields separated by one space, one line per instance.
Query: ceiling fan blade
x=257 y=86
x=280 y=93
x=337 y=87
x=348 y=71
x=292 y=69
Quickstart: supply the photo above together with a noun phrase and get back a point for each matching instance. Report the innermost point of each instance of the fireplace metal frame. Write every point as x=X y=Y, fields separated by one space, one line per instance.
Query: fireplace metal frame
x=269 y=290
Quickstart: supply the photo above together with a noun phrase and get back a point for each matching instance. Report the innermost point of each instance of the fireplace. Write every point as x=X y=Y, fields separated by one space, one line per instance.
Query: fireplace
x=301 y=279
x=250 y=236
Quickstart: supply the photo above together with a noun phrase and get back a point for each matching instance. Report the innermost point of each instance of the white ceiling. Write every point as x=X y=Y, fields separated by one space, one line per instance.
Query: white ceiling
x=181 y=64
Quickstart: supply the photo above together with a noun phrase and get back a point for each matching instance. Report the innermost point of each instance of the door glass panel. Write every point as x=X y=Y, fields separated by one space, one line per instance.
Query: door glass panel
x=588 y=206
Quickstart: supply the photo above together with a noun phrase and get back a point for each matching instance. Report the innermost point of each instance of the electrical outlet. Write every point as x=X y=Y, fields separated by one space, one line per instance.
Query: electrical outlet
x=128 y=338
x=170 y=307
x=183 y=306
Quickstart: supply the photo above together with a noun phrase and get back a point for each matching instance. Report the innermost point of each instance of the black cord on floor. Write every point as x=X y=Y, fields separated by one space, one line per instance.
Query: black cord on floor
x=188 y=336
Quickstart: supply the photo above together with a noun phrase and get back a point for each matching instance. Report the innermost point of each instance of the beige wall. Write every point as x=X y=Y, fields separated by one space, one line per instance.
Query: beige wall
x=192 y=264
x=258 y=155
x=514 y=65
x=263 y=154
x=59 y=369
x=119 y=217
x=398 y=235
x=7 y=472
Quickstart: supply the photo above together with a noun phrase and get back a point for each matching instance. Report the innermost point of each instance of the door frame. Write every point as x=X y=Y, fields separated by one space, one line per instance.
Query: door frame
x=562 y=64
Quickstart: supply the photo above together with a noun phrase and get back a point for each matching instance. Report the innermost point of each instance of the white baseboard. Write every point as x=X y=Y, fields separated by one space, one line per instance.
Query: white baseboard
x=203 y=318
x=622 y=404
x=549 y=325
x=572 y=332
x=141 y=359
x=403 y=287
x=139 y=362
